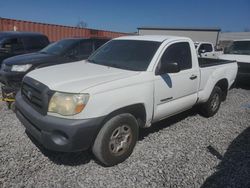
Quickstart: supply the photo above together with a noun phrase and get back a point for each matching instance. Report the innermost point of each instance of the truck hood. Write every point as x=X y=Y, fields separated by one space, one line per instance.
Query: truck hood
x=31 y=58
x=238 y=58
x=78 y=76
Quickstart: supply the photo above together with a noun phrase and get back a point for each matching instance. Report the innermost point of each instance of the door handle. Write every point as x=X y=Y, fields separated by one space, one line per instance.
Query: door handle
x=166 y=99
x=193 y=77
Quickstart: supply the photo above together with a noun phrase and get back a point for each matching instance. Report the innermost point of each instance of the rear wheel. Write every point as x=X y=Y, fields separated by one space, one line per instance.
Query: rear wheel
x=211 y=107
x=116 y=140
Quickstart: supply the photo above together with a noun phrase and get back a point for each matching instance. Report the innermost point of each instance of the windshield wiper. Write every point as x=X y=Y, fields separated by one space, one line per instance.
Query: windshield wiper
x=113 y=65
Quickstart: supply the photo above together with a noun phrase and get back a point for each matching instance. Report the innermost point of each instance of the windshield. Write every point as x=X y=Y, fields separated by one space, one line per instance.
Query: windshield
x=239 y=47
x=126 y=54
x=60 y=47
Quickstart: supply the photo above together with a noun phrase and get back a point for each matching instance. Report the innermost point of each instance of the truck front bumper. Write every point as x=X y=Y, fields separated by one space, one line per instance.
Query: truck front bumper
x=58 y=134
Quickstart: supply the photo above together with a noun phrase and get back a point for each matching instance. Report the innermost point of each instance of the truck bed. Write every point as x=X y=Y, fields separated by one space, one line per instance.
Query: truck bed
x=208 y=62
x=213 y=70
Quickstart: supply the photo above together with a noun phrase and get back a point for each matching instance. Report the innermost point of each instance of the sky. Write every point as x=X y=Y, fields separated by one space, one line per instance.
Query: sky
x=128 y=15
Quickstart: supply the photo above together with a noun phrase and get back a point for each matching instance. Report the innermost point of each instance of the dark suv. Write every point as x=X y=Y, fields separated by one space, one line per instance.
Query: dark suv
x=64 y=51
x=14 y=43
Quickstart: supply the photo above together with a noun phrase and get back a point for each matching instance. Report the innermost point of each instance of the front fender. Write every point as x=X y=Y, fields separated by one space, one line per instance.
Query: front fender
x=103 y=103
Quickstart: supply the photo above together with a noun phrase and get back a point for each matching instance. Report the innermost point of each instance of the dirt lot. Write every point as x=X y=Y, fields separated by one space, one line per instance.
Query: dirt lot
x=187 y=150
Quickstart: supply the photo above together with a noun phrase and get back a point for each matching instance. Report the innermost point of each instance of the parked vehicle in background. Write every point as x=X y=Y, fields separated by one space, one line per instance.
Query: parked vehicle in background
x=63 y=51
x=239 y=51
x=206 y=49
x=14 y=43
x=128 y=83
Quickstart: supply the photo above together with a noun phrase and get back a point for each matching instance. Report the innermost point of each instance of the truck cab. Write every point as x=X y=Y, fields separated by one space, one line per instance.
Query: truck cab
x=206 y=49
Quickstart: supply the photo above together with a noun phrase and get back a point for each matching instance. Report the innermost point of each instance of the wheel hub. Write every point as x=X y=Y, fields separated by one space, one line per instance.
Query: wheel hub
x=120 y=140
x=215 y=101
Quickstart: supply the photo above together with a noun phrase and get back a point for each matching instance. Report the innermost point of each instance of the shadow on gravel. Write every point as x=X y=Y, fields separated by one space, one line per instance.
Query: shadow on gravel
x=234 y=168
x=166 y=123
x=61 y=158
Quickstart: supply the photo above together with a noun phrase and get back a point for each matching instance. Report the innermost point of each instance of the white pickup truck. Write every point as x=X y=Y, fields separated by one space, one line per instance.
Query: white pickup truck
x=239 y=51
x=207 y=50
x=128 y=83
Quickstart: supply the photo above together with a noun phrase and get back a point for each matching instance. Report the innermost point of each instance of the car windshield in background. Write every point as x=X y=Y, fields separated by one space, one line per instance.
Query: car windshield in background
x=239 y=47
x=126 y=54
x=60 y=47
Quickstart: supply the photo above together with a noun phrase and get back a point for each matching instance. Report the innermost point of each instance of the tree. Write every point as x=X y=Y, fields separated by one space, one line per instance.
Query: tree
x=82 y=24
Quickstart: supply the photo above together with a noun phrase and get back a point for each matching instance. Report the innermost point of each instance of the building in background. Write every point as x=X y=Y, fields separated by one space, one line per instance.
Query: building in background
x=196 y=34
x=227 y=37
x=55 y=32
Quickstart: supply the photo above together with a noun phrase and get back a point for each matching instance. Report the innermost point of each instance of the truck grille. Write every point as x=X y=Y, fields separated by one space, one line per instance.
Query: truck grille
x=36 y=94
x=243 y=67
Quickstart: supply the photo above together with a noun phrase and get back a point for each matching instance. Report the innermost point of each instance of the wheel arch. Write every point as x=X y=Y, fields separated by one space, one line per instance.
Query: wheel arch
x=223 y=84
x=137 y=110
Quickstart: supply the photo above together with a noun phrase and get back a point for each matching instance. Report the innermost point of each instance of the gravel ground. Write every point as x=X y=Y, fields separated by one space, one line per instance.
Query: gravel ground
x=187 y=150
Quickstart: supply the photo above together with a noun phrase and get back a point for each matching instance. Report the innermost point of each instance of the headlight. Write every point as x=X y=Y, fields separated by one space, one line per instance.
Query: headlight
x=20 y=68
x=67 y=104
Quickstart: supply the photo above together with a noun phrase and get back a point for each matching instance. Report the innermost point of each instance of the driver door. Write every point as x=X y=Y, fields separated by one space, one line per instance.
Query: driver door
x=175 y=92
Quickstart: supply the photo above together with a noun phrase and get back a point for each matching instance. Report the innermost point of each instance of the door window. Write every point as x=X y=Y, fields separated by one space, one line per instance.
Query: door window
x=82 y=50
x=12 y=45
x=85 y=49
x=179 y=53
x=35 y=42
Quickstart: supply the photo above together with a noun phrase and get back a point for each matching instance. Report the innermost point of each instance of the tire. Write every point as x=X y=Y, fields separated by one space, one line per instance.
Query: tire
x=116 y=140
x=211 y=107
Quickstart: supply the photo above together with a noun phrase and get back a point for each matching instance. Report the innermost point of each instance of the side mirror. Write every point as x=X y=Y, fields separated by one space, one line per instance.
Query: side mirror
x=169 y=67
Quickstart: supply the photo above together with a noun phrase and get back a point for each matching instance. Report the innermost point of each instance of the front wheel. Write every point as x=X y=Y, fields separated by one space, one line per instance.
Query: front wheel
x=211 y=107
x=116 y=140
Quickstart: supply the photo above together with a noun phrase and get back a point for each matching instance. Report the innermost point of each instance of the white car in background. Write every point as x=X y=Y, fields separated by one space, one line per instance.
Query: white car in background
x=239 y=51
x=207 y=50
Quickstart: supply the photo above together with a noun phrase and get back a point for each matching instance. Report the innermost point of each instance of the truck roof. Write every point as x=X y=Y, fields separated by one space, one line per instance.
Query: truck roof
x=241 y=40
x=18 y=33
x=156 y=38
x=199 y=42
x=88 y=38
